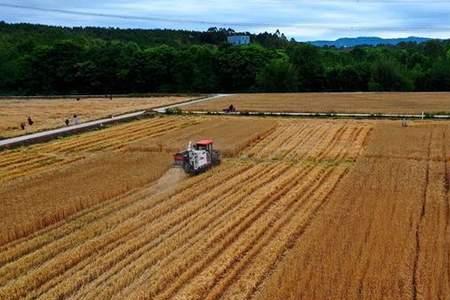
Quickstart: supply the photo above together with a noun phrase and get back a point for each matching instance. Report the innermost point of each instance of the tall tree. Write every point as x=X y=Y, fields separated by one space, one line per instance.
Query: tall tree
x=279 y=75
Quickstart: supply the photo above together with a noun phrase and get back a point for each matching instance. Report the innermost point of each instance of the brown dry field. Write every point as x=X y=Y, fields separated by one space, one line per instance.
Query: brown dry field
x=51 y=113
x=332 y=102
x=299 y=209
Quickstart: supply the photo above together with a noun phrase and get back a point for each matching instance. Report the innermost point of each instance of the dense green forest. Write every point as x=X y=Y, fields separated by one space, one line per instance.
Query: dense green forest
x=37 y=59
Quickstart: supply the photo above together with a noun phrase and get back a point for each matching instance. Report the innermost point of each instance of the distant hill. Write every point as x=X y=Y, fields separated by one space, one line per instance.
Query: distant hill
x=368 y=41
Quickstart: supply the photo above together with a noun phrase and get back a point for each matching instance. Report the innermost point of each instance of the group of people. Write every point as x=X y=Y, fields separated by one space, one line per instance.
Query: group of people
x=74 y=121
x=30 y=122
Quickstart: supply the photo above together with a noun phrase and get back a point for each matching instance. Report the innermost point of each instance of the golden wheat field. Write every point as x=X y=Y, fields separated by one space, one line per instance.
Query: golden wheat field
x=51 y=113
x=62 y=177
x=298 y=209
x=407 y=103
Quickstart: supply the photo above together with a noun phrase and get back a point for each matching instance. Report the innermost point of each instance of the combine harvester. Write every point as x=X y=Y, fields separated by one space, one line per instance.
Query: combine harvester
x=198 y=158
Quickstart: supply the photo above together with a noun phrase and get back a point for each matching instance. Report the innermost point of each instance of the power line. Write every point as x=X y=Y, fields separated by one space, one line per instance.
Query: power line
x=310 y=26
x=138 y=18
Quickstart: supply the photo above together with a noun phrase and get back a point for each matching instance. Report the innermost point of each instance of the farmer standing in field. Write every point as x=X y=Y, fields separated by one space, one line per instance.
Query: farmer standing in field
x=76 y=120
x=30 y=121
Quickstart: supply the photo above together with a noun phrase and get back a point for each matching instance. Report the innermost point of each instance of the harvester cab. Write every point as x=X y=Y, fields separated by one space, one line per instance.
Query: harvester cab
x=198 y=158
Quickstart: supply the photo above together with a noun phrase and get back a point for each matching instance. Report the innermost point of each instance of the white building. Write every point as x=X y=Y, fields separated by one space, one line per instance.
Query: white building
x=237 y=40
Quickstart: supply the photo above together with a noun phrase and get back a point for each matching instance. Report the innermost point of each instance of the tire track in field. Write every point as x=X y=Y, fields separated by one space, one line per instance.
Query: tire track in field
x=184 y=248
x=432 y=263
x=7 y=162
x=139 y=236
x=253 y=230
x=109 y=133
x=367 y=132
x=118 y=143
x=240 y=257
x=295 y=141
x=419 y=223
x=311 y=142
x=113 y=140
x=38 y=258
x=332 y=143
x=447 y=191
x=250 y=148
x=40 y=167
x=290 y=243
x=193 y=263
x=303 y=139
x=282 y=138
x=279 y=139
x=341 y=152
x=203 y=225
x=38 y=158
x=24 y=246
x=354 y=141
x=321 y=148
x=134 y=247
x=258 y=146
x=113 y=134
x=136 y=210
x=446 y=176
x=301 y=207
x=346 y=153
x=117 y=137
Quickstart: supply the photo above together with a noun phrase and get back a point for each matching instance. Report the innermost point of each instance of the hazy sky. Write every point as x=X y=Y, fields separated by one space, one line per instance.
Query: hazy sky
x=301 y=19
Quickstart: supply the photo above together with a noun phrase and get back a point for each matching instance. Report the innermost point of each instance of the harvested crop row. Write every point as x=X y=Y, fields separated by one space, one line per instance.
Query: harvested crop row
x=96 y=236
x=49 y=156
x=218 y=235
x=160 y=243
x=288 y=216
x=34 y=170
x=385 y=231
x=122 y=136
x=97 y=176
x=217 y=231
x=312 y=140
x=132 y=202
x=230 y=135
x=97 y=227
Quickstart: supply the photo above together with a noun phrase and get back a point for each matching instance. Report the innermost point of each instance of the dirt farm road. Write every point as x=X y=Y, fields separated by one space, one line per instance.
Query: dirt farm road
x=50 y=134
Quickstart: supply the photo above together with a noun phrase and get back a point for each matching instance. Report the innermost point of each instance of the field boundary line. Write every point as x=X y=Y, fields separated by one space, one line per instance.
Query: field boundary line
x=163 y=109
x=325 y=115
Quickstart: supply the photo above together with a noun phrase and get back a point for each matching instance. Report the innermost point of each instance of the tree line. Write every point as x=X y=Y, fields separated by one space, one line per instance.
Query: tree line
x=36 y=59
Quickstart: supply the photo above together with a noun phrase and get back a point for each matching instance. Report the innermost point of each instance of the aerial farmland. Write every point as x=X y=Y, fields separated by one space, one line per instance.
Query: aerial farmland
x=51 y=112
x=370 y=103
x=299 y=208
x=225 y=150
